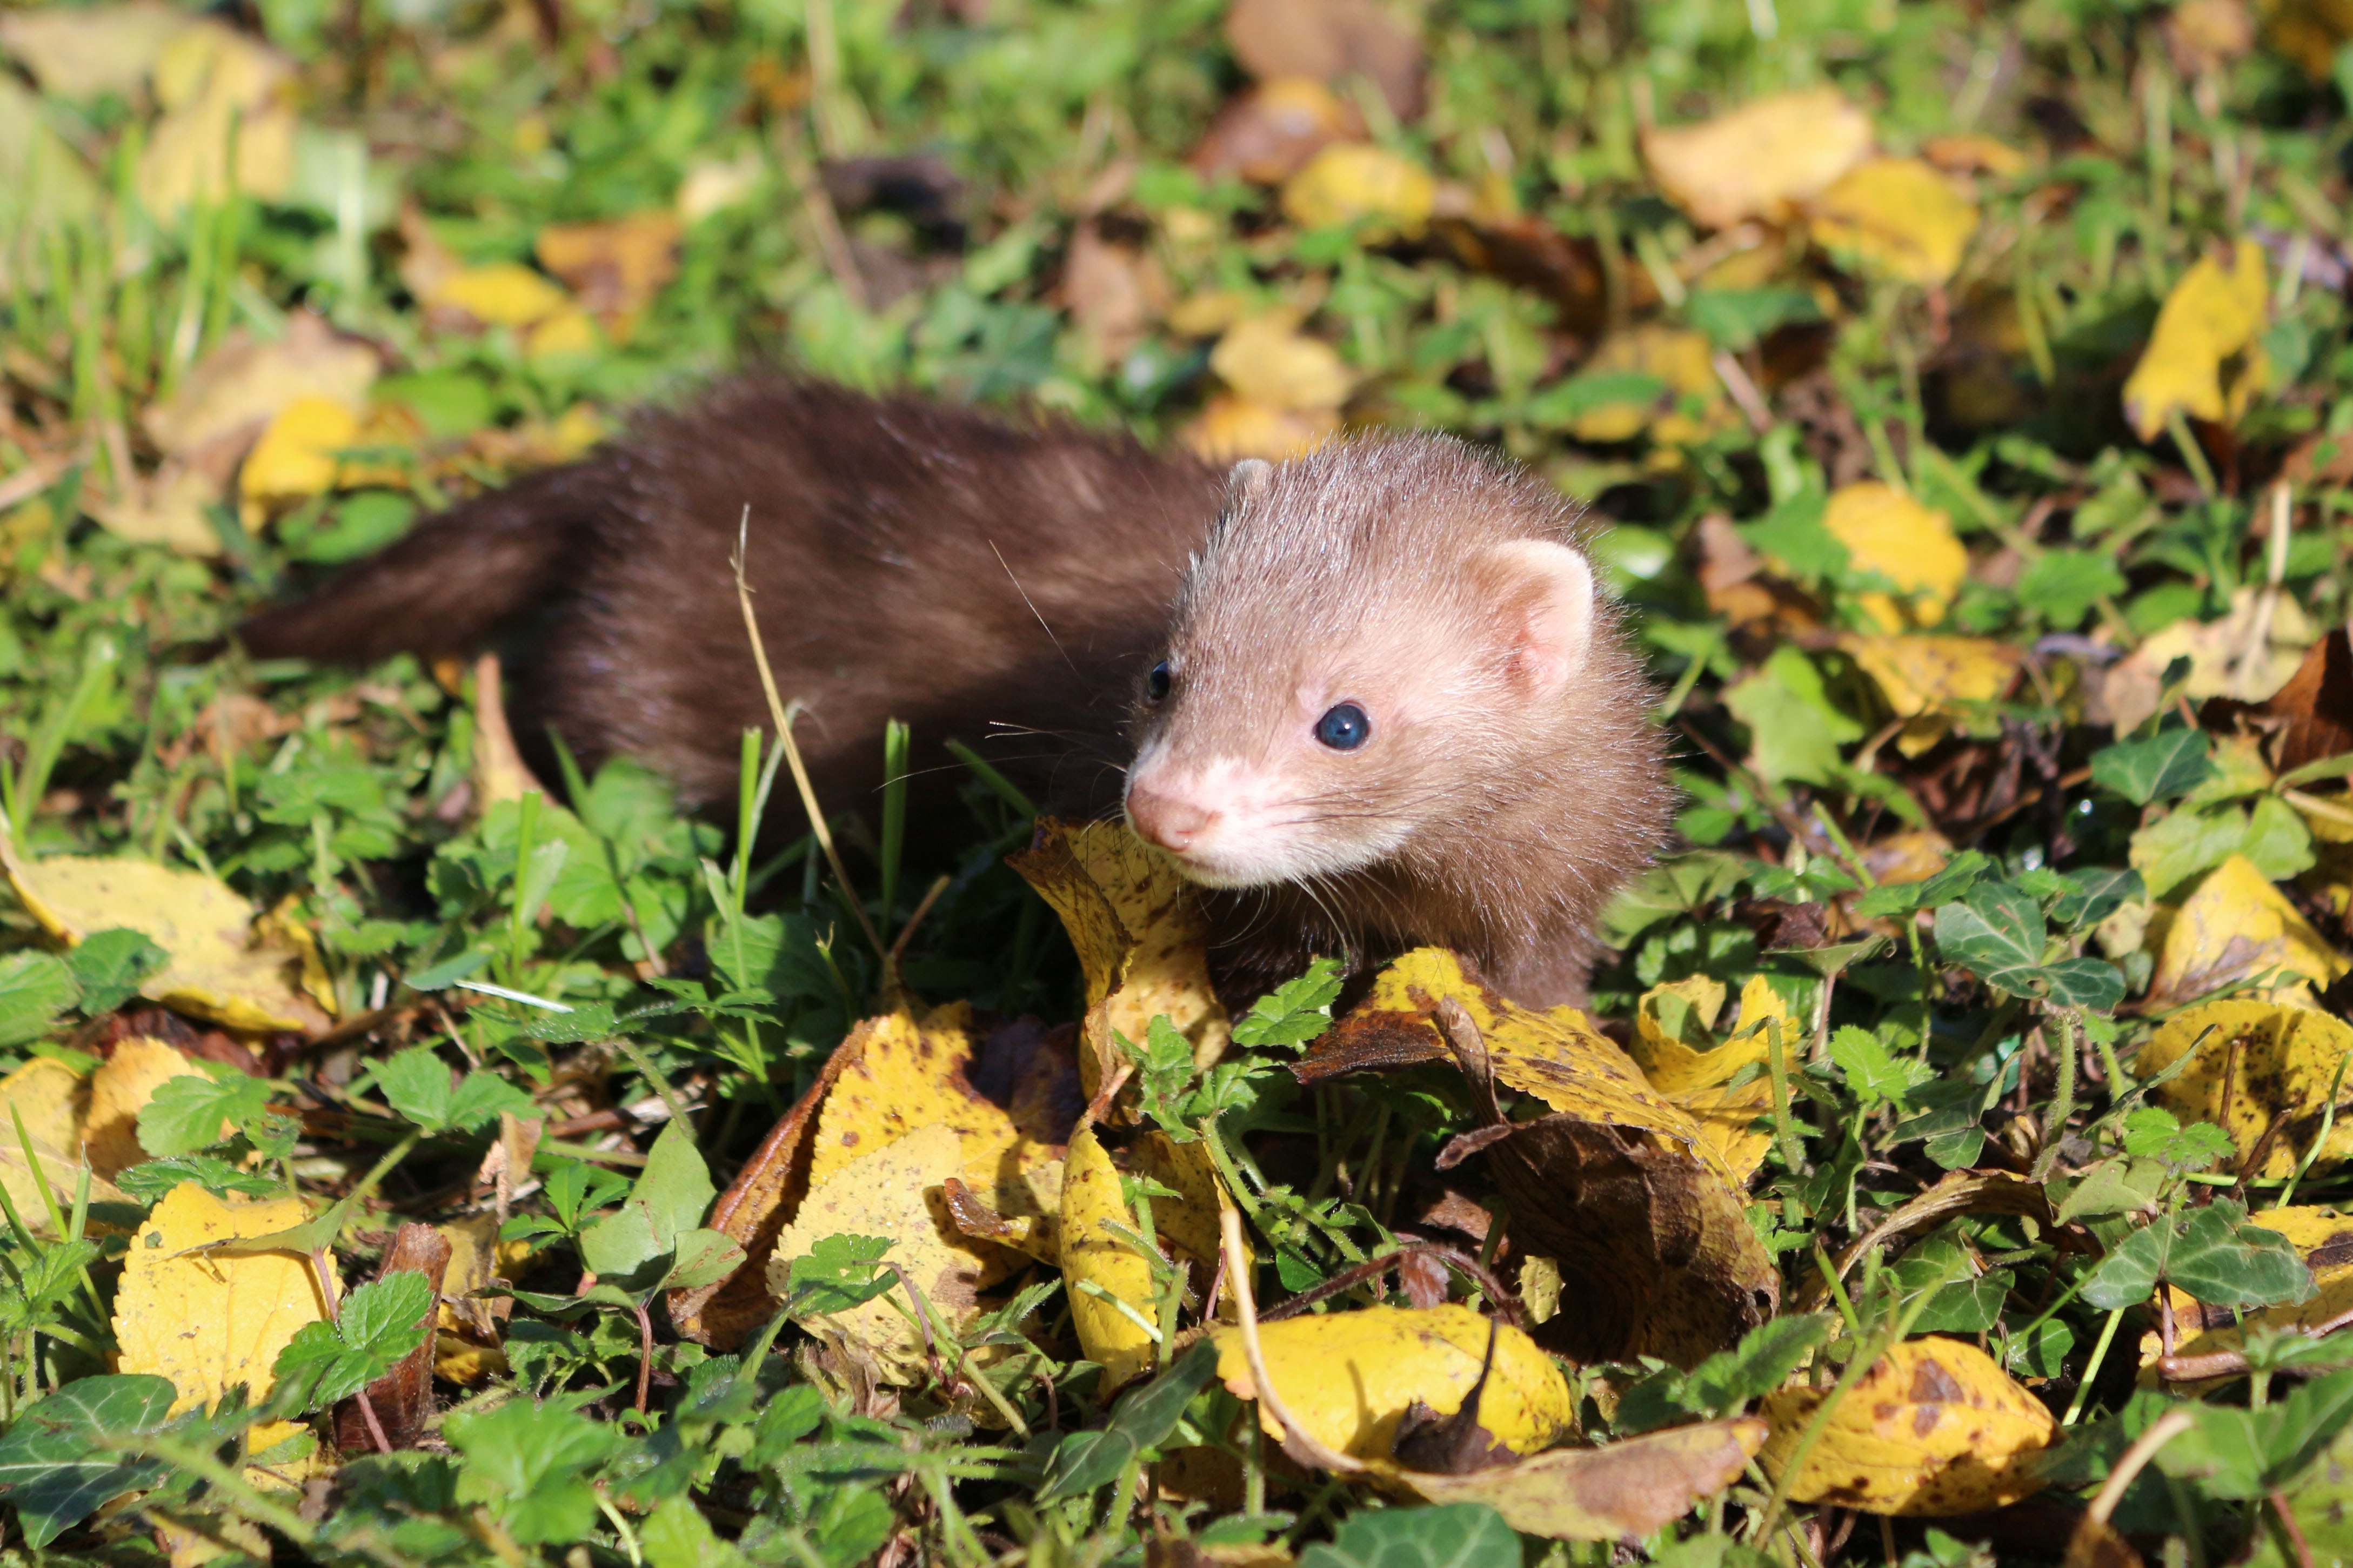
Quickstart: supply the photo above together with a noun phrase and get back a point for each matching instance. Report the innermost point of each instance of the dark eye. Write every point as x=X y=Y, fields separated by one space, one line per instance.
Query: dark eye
x=1344 y=727
x=1156 y=685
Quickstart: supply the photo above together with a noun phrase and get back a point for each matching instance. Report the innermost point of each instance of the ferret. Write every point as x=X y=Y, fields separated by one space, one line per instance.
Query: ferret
x=1369 y=699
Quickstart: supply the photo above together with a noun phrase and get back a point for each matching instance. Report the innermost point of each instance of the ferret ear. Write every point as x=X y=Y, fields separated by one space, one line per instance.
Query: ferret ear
x=1248 y=480
x=1549 y=591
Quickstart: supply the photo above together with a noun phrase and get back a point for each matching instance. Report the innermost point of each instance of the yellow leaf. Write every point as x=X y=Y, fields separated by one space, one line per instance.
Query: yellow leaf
x=1268 y=360
x=244 y=383
x=218 y=87
x=54 y=1102
x=1929 y=682
x=82 y=52
x=466 y=1347
x=1690 y=404
x=504 y=294
x=1141 y=935
x=909 y=1075
x=2205 y=336
x=119 y=1090
x=299 y=455
x=894 y=1191
x=2217 y=654
x=1107 y=1282
x=1349 y=181
x=216 y=970
x=1910 y=856
x=1677 y=1050
x=714 y=185
x=1935 y=1428
x=1349 y=1378
x=567 y=332
x=1759 y=160
x=1898 y=216
x=167 y=509
x=2237 y=925
x=1913 y=546
x=1230 y=429
x=2268 y=1060
x=1627 y=1489
x=616 y=267
x=208 y=1321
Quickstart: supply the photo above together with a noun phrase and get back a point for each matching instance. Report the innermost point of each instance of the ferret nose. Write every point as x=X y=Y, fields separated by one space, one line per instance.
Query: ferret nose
x=1168 y=820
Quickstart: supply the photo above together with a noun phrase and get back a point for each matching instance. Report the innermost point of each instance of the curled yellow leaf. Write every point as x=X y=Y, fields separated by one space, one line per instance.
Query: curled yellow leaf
x=2204 y=359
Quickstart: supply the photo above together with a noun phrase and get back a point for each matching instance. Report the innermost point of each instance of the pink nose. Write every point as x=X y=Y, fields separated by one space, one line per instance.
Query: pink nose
x=1170 y=821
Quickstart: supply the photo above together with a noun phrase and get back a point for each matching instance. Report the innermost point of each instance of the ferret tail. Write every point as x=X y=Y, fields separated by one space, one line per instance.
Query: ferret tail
x=445 y=588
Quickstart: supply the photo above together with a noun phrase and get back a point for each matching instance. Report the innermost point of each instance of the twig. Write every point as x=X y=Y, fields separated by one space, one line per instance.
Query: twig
x=782 y=717
x=2168 y=1426
x=899 y=945
x=1297 y=1441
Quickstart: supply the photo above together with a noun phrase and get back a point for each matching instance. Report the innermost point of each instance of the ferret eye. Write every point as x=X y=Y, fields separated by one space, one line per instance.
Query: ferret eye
x=1344 y=727
x=1156 y=684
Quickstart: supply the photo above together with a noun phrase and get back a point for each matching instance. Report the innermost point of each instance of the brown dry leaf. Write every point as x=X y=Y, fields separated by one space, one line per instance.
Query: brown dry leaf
x=402 y=1399
x=119 y=1091
x=1349 y=1378
x=2267 y=1061
x=1897 y=216
x=1329 y=40
x=1761 y=160
x=2207 y=34
x=218 y=88
x=1350 y=182
x=1271 y=132
x=2308 y=718
x=1230 y=429
x=1974 y=154
x=895 y=1191
x=2204 y=358
x=80 y=53
x=615 y=267
x=209 y=1321
x=1141 y=936
x=1267 y=360
x=1911 y=545
x=1626 y=1491
x=240 y=386
x=2237 y=926
x=1113 y=291
x=1935 y=1428
x=768 y=1191
x=1619 y=1185
x=2216 y=651
x=219 y=970
x=1929 y=682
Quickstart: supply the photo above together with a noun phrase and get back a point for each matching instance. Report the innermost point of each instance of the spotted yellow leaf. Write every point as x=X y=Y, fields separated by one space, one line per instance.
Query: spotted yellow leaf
x=209 y=1321
x=2236 y=925
x=1935 y=1428
x=2267 y=1061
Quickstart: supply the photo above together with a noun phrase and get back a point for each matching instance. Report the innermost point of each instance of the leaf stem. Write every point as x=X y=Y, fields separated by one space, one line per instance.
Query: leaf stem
x=2063 y=1096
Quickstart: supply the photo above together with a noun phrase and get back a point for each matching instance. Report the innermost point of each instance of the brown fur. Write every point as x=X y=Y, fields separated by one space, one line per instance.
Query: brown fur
x=904 y=556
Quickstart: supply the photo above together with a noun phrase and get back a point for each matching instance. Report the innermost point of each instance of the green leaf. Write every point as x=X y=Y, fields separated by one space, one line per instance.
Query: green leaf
x=378 y=1324
x=839 y=1272
x=2164 y=765
x=1684 y=884
x=1726 y=1382
x=52 y=1466
x=1735 y=319
x=1296 y=1012
x=1997 y=930
x=1443 y=1535
x=702 y=1257
x=110 y=966
x=670 y=1196
x=2244 y=1454
x=2092 y=983
x=186 y=1112
x=1141 y=1420
x=1876 y=1076
x=35 y=987
x=1959 y=875
x=2062 y=586
x=1795 y=731
x=675 y=1535
x=2092 y=895
x=2153 y=1132
x=2212 y=1252
x=530 y=1463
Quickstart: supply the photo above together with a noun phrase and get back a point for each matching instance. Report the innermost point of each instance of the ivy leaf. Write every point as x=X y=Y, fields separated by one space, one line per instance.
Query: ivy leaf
x=110 y=966
x=1141 y=1419
x=53 y=1467
x=1296 y=1012
x=186 y=1112
x=2212 y=1252
x=839 y=1272
x=2092 y=983
x=1997 y=930
x=2093 y=894
x=2158 y=768
x=1908 y=898
x=1443 y=1535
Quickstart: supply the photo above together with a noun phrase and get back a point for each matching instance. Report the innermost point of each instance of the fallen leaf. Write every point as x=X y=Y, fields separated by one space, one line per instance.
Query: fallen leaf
x=217 y=969
x=1930 y=681
x=504 y=294
x=1902 y=858
x=50 y=185
x=467 y=1345
x=211 y=1321
x=1348 y=1378
x=119 y=1091
x=167 y=508
x=1271 y=132
x=567 y=332
x=1113 y=291
x=82 y=52
x=1619 y=1184
x=54 y=1102
x=1625 y=1490
x=1969 y=154
x=2207 y=34
x=1652 y=378
x=1267 y=360
x=240 y=386
x=2217 y=654
x=616 y=269
x=1897 y=216
x=2203 y=357
x=1230 y=429
x=2308 y=718
x=1350 y=182
x=2263 y=1061
x=1676 y=1047
x=895 y=1192
x=298 y=455
x=402 y=1399
x=1935 y=1428
x=1141 y=935
x=1329 y=40
x=715 y=184
x=218 y=88
x=1109 y=1284
x=2236 y=925
x=1761 y=160
x=1911 y=545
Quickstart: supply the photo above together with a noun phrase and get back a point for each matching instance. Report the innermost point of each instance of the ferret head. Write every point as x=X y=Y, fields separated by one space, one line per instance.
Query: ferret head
x=1378 y=644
